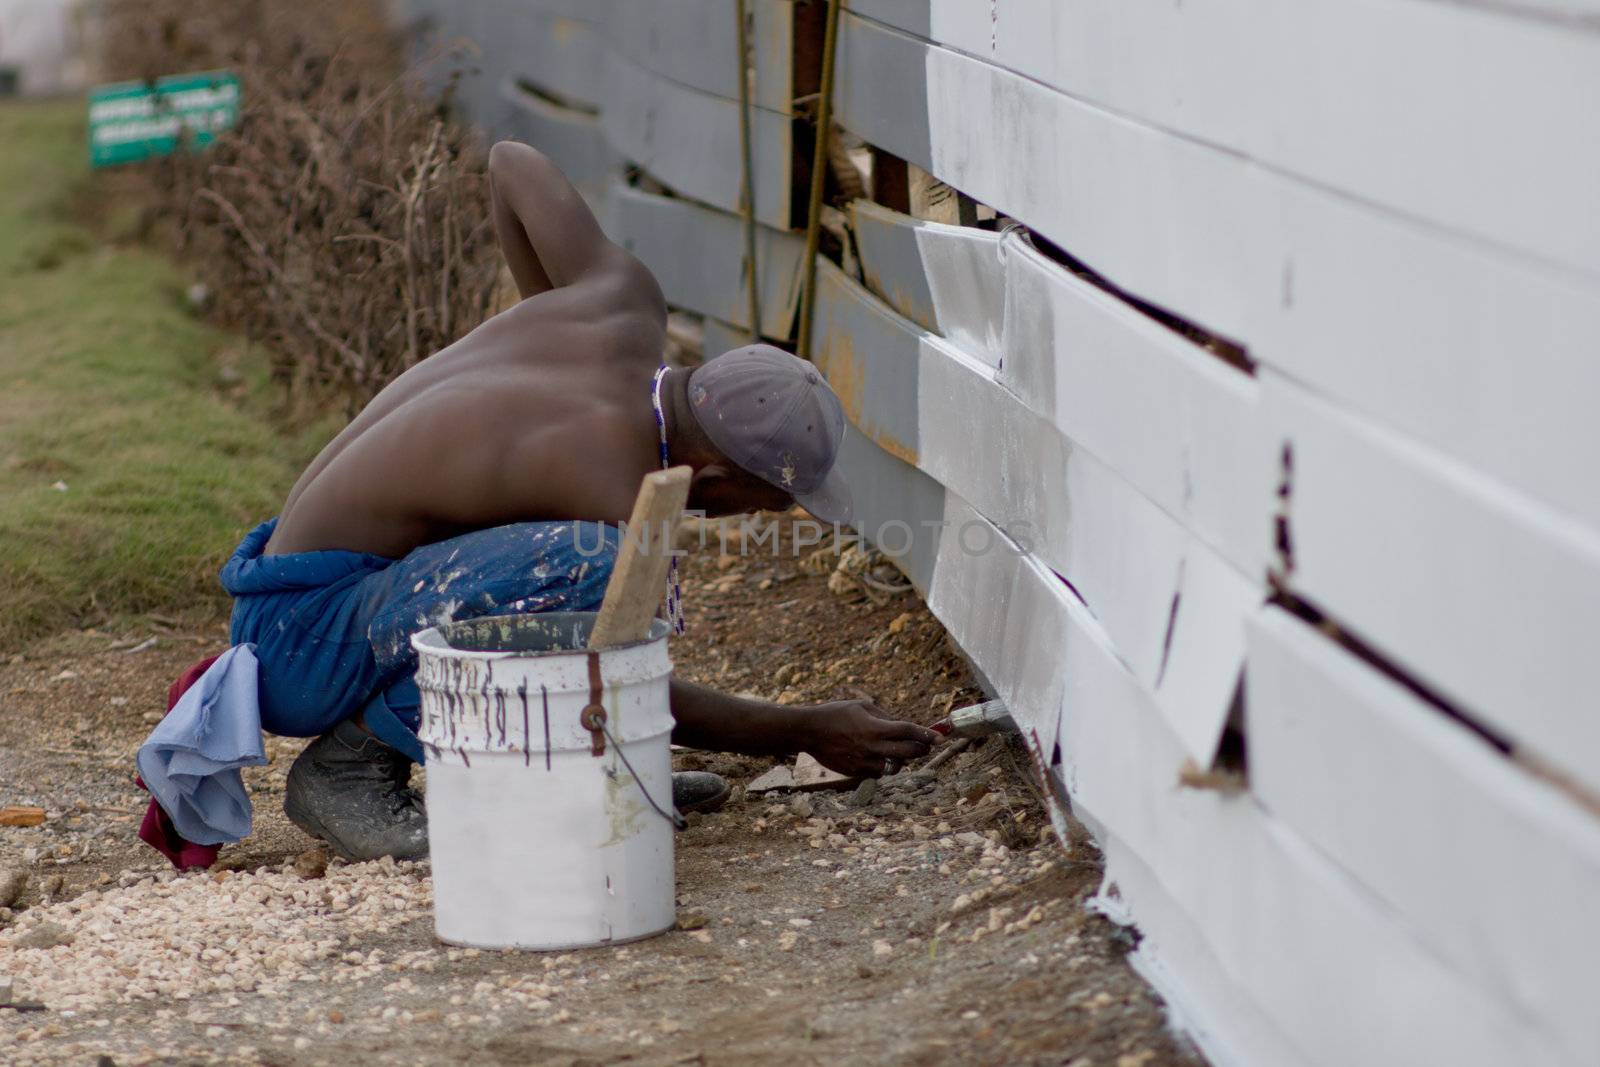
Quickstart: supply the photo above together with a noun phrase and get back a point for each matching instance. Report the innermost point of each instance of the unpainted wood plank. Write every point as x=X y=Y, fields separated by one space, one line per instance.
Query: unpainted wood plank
x=561 y=53
x=571 y=138
x=1495 y=868
x=949 y=280
x=1487 y=597
x=689 y=140
x=720 y=337
x=695 y=43
x=697 y=254
x=898 y=508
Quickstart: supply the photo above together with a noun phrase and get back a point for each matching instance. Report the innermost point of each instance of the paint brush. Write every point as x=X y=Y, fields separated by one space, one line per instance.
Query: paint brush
x=978 y=720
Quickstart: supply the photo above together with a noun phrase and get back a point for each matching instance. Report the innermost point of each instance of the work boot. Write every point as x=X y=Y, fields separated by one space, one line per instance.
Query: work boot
x=352 y=791
x=698 y=791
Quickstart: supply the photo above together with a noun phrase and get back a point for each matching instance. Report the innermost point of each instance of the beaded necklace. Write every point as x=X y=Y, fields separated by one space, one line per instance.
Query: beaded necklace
x=674 y=589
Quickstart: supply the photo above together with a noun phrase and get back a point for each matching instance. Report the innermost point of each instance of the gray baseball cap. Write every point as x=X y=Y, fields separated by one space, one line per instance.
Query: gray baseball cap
x=774 y=415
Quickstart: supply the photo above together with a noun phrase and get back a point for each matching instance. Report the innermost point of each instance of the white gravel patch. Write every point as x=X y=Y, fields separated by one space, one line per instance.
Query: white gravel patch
x=180 y=936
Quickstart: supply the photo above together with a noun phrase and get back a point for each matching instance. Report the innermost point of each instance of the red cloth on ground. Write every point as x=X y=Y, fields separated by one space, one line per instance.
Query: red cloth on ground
x=157 y=830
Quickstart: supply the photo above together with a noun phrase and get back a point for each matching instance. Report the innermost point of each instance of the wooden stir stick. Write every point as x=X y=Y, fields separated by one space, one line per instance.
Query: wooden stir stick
x=640 y=574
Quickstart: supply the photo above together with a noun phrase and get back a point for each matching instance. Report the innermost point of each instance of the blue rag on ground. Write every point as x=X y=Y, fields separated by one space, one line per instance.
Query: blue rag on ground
x=321 y=636
x=191 y=761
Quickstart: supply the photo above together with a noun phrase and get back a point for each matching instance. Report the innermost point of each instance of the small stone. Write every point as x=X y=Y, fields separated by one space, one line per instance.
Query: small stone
x=12 y=882
x=691 y=920
x=53 y=885
x=150 y=718
x=865 y=793
x=312 y=863
x=802 y=806
x=882 y=948
x=900 y=622
x=336 y=1016
x=45 y=935
x=809 y=774
x=779 y=777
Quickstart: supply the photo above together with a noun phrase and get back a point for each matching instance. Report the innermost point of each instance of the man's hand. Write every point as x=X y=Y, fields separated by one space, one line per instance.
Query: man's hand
x=849 y=736
x=854 y=737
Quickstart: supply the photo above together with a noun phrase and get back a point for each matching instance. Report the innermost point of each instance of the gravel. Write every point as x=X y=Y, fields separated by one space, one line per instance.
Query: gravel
x=177 y=937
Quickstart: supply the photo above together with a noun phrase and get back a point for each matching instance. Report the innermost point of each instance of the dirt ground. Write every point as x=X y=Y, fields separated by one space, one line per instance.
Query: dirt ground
x=929 y=918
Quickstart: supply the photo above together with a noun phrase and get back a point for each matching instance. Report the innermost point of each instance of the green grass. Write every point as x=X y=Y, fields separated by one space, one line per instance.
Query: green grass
x=109 y=386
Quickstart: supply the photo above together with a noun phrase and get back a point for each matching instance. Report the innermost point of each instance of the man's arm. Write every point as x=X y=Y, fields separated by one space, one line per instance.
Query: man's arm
x=548 y=234
x=851 y=736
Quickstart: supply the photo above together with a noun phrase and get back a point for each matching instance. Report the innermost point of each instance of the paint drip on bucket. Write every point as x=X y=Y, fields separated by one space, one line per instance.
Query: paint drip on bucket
x=550 y=817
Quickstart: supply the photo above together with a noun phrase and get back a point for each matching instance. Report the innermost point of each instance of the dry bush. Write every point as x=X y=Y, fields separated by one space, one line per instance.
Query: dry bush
x=345 y=224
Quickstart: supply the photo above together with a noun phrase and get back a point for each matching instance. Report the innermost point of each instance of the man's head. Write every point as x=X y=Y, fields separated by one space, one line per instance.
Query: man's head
x=776 y=427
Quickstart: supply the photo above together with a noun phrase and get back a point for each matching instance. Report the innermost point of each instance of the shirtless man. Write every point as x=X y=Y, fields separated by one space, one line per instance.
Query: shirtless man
x=474 y=485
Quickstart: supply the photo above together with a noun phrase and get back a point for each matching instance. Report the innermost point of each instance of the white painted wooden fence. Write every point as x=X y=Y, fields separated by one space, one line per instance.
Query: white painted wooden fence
x=1367 y=552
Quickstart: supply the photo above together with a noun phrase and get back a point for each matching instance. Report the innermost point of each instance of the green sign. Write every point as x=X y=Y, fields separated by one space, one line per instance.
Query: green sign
x=131 y=121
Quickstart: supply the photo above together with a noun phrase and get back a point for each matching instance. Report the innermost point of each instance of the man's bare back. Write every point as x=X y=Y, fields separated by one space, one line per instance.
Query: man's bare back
x=540 y=415
x=542 y=412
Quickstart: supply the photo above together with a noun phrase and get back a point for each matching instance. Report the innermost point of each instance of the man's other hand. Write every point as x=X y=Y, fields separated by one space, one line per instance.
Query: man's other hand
x=854 y=737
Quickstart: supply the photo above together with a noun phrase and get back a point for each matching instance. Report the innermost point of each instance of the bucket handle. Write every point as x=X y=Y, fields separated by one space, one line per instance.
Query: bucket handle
x=670 y=813
x=593 y=719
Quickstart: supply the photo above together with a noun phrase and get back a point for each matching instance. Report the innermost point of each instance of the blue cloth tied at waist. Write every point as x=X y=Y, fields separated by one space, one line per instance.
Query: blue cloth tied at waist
x=321 y=636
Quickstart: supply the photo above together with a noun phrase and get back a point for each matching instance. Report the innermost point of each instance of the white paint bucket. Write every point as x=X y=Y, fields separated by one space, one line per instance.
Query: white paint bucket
x=546 y=834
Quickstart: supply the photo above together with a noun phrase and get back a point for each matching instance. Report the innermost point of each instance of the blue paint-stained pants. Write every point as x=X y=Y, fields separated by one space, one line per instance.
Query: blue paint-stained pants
x=332 y=629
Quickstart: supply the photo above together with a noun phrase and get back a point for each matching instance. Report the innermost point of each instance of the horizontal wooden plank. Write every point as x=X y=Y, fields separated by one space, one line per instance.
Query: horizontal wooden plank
x=1306 y=960
x=720 y=337
x=898 y=508
x=1175 y=421
x=947 y=279
x=695 y=43
x=594 y=12
x=1317 y=284
x=1512 y=160
x=1340 y=977
x=571 y=138
x=1496 y=868
x=1488 y=598
x=697 y=254
x=1171 y=418
x=561 y=54
x=1173 y=607
x=1222 y=1016
x=689 y=140
x=1008 y=611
